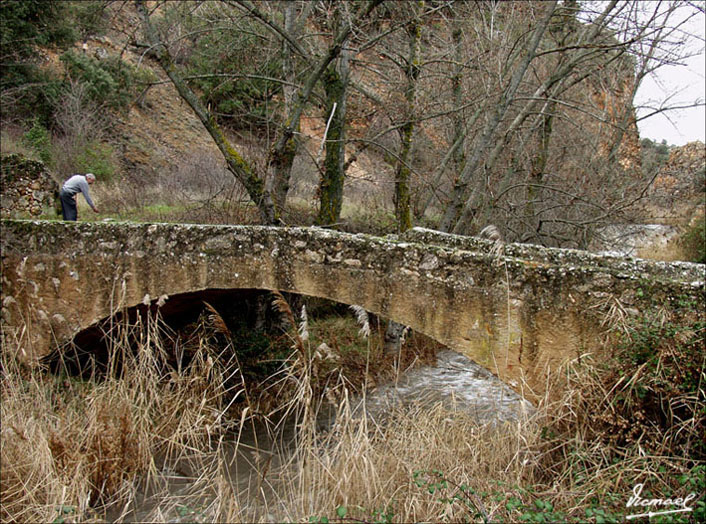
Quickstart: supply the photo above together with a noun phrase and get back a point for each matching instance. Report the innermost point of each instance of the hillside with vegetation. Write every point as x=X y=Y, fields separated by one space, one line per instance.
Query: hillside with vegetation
x=452 y=115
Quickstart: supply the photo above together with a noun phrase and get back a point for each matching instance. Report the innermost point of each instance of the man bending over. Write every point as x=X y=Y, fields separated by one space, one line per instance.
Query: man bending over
x=68 y=195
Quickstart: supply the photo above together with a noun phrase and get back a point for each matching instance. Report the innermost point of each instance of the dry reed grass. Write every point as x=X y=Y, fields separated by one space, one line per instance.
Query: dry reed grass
x=427 y=464
x=69 y=448
x=569 y=462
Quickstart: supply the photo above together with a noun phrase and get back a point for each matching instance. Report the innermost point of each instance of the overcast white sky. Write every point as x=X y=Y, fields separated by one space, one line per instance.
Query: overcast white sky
x=687 y=83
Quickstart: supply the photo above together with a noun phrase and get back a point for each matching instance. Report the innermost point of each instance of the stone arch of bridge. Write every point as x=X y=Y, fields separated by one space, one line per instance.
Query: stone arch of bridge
x=178 y=308
x=520 y=315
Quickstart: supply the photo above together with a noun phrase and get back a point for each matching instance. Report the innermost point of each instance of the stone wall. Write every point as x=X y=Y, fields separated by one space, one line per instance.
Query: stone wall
x=27 y=188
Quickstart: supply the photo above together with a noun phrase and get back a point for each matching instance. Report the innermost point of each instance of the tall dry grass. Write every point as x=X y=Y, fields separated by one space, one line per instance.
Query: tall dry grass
x=72 y=449
x=156 y=446
x=601 y=428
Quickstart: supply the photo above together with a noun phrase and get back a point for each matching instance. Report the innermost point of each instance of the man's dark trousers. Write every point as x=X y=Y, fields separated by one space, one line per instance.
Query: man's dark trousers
x=68 y=206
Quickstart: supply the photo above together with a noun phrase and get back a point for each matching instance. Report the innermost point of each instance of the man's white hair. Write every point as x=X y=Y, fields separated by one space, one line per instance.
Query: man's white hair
x=90 y=176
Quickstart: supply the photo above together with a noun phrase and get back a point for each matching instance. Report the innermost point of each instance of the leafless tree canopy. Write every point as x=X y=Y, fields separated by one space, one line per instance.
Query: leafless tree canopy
x=518 y=114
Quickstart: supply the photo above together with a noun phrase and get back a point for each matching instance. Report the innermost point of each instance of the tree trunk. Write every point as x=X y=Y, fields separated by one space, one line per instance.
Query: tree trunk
x=403 y=212
x=456 y=153
x=237 y=165
x=331 y=183
x=538 y=165
x=285 y=149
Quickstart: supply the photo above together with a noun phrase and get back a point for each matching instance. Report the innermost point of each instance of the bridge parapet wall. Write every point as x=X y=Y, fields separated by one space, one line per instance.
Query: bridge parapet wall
x=631 y=267
x=517 y=316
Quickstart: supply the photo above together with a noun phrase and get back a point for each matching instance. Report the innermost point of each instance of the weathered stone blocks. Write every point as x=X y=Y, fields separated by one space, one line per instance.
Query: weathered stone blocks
x=27 y=187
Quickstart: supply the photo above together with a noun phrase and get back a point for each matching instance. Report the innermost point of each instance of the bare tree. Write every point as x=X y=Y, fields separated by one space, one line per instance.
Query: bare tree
x=269 y=197
x=515 y=113
x=241 y=169
x=79 y=121
x=336 y=83
x=556 y=152
x=467 y=182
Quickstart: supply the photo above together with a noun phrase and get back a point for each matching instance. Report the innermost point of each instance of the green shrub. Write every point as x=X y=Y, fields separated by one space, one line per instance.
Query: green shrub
x=39 y=141
x=247 y=98
x=665 y=360
x=654 y=155
x=96 y=158
x=90 y=16
x=26 y=25
x=109 y=80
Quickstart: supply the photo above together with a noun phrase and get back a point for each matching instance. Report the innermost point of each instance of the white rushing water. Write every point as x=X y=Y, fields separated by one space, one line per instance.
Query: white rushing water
x=458 y=383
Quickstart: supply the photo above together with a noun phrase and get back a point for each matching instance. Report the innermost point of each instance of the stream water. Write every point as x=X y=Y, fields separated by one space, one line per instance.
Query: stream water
x=455 y=381
x=458 y=383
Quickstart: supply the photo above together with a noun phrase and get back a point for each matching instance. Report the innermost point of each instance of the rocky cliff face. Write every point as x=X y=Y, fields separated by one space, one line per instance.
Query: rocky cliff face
x=610 y=100
x=678 y=192
x=674 y=204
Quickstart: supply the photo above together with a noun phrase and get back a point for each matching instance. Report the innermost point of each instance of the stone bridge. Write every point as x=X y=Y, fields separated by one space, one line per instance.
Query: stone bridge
x=520 y=312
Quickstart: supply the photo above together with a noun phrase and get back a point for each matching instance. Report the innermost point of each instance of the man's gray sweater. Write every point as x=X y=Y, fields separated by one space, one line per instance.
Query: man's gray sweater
x=75 y=184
